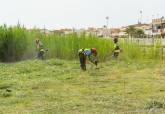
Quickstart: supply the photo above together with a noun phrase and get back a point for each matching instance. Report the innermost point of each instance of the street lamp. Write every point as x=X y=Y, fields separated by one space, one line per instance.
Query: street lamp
x=141 y=16
x=152 y=26
x=107 y=21
x=107 y=24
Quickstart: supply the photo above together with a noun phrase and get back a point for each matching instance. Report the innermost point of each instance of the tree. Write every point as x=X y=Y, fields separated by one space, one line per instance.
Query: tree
x=131 y=31
x=139 y=33
x=134 y=32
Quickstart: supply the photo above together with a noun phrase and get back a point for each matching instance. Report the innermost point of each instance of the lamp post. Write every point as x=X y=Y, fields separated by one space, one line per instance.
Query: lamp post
x=141 y=16
x=107 y=25
x=107 y=21
x=153 y=29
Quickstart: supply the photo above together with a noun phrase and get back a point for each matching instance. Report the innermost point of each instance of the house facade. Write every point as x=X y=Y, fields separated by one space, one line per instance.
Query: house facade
x=158 y=26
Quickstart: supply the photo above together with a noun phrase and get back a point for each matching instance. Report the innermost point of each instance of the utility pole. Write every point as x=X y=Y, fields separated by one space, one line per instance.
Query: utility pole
x=18 y=24
x=152 y=26
x=107 y=25
x=44 y=30
x=107 y=21
x=141 y=16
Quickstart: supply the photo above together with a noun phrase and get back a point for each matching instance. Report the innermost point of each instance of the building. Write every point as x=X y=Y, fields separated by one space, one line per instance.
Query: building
x=148 y=31
x=158 y=26
x=45 y=31
x=115 y=32
x=104 y=32
x=122 y=32
x=63 y=31
x=91 y=30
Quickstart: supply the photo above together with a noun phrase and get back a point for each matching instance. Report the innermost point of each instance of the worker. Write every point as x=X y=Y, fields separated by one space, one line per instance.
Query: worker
x=40 y=49
x=115 y=40
x=85 y=54
x=116 y=51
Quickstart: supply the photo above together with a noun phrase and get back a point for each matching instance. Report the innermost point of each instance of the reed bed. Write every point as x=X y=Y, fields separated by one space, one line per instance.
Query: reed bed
x=18 y=43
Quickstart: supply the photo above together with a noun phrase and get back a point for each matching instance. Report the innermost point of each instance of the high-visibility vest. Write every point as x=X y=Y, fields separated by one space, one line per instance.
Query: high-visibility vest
x=117 y=51
x=115 y=45
x=42 y=50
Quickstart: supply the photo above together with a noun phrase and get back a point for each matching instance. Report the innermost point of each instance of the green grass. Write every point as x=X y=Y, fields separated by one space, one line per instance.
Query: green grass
x=13 y=43
x=60 y=87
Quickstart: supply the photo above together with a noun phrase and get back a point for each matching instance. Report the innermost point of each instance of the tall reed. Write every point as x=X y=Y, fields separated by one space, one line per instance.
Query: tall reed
x=17 y=43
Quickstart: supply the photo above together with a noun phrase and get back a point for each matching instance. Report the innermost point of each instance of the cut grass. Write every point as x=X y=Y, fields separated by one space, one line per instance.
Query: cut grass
x=60 y=87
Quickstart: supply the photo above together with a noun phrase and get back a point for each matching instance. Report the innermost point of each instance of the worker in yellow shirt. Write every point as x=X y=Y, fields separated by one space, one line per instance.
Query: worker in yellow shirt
x=40 y=49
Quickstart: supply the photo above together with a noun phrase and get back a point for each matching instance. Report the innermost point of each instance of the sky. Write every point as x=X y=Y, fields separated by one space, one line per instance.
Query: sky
x=56 y=14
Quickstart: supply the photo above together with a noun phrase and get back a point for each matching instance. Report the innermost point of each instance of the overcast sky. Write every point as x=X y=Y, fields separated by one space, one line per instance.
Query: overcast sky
x=78 y=13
